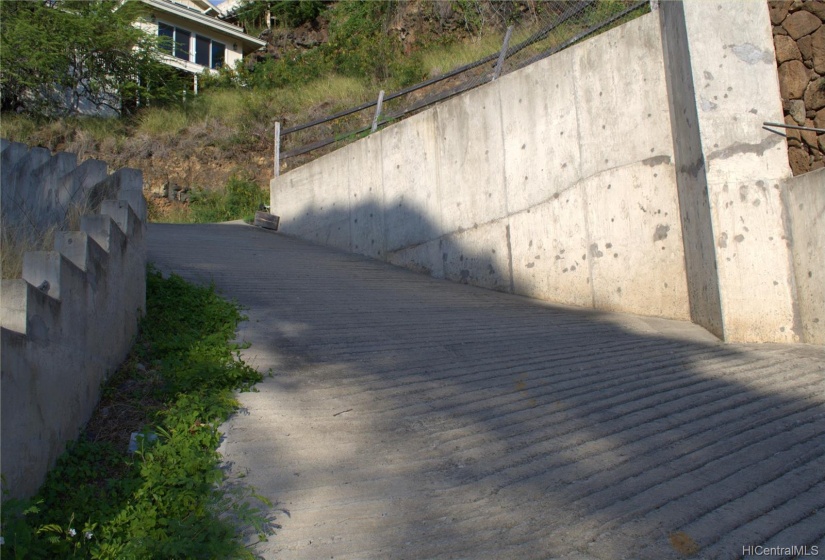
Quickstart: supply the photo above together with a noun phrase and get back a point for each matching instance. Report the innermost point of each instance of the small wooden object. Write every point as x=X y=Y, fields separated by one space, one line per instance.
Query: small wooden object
x=267 y=220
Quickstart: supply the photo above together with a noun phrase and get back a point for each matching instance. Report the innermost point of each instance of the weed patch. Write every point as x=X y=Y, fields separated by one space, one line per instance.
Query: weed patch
x=238 y=201
x=169 y=499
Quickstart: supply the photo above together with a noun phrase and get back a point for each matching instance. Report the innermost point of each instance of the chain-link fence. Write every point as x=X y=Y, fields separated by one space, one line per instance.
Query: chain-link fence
x=543 y=28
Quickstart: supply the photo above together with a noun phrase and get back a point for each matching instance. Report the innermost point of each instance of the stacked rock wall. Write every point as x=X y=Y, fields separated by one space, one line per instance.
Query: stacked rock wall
x=799 y=40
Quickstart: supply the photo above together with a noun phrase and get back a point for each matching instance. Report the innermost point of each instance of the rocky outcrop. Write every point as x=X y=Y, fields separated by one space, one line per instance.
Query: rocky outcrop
x=799 y=41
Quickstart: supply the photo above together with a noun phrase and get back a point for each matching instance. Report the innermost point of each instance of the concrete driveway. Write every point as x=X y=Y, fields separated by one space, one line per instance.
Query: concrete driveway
x=414 y=418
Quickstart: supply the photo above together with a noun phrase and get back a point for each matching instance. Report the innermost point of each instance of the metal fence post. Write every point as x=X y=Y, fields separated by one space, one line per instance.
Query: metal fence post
x=377 y=111
x=503 y=53
x=277 y=148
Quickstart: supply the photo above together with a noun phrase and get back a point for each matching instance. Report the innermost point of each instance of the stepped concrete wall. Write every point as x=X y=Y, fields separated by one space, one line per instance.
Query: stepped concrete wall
x=71 y=320
x=630 y=173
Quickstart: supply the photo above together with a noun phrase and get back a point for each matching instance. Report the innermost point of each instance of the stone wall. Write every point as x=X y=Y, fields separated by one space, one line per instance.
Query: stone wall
x=799 y=39
x=71 y=320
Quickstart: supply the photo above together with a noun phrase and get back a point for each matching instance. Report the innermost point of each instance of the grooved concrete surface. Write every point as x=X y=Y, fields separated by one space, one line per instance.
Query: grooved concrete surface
x=410 y=417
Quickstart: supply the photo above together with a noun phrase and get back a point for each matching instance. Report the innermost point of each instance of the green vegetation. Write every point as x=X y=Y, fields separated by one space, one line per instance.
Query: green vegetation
x=169 y=499
x=58 y=55
x=24 y=235
x=358 y=49
x=238 y=201
x=290 y=13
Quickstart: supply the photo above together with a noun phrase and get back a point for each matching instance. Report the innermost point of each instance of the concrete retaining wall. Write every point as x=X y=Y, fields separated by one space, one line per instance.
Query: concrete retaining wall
x=556 y=182
x=70 y=321
x=630 y=173
x=731 y=176
x=805 y=203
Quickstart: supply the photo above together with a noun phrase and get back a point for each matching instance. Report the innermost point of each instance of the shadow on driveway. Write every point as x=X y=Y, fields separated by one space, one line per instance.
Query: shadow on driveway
x=410 y=417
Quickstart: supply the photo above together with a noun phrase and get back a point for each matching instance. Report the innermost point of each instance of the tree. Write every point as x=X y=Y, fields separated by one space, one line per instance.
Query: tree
x=292 y=13
x=57 y=55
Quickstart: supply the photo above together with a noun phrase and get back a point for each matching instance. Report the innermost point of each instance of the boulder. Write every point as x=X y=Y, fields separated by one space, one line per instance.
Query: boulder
x=804 y=45
x=815 y=94
x=779 y=10
x=819 y=120
x=809 y=136
x=801 y=23
x=816 y=7
x=793 y=79
x=818 y=50
x=792 y=133
x=799 y=160
x=796 y=108
x=786 y=49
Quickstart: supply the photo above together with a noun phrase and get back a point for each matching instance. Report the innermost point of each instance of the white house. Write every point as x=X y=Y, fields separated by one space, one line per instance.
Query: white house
x=196 y=39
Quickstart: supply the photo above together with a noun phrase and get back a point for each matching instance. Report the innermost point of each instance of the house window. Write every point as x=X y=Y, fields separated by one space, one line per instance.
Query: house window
x=166 y=33
x=178 y=42
x=218 y=54
x=202 y=50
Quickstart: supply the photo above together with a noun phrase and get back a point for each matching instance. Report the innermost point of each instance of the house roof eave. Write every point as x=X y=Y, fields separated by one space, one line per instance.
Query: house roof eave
x=248 y=42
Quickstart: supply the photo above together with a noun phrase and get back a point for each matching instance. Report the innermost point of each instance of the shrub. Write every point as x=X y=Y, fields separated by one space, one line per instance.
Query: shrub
x=169 y=499
x=60 y=54
x=240 y=200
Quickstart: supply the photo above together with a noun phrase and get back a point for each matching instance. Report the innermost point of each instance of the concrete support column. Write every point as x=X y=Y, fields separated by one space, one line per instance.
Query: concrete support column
x=722 y=85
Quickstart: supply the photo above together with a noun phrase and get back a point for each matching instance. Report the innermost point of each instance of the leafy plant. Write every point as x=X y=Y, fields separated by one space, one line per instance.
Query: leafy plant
x=59 y=55
x=169 y=499
x=357 y=44
x=292 y=13
x=240 y=200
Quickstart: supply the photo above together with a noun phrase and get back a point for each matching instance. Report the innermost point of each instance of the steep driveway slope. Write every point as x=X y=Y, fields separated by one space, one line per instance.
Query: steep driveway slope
x=410 y=417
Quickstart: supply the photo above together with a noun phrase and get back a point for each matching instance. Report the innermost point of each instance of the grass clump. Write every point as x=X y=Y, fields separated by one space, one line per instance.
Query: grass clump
x=239 y=200
x=16 y=242
x=169 y=499
x=20 y=235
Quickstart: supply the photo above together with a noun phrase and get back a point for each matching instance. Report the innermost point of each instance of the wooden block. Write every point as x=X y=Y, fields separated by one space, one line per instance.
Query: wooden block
x=267 y=220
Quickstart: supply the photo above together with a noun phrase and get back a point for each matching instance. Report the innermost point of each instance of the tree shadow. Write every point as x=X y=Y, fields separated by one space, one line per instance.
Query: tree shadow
x=409 y=417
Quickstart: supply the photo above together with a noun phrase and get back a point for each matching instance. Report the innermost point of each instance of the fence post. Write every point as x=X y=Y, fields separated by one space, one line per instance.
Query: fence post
x=503 y=54
x=377 y=111
x=277 y=148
